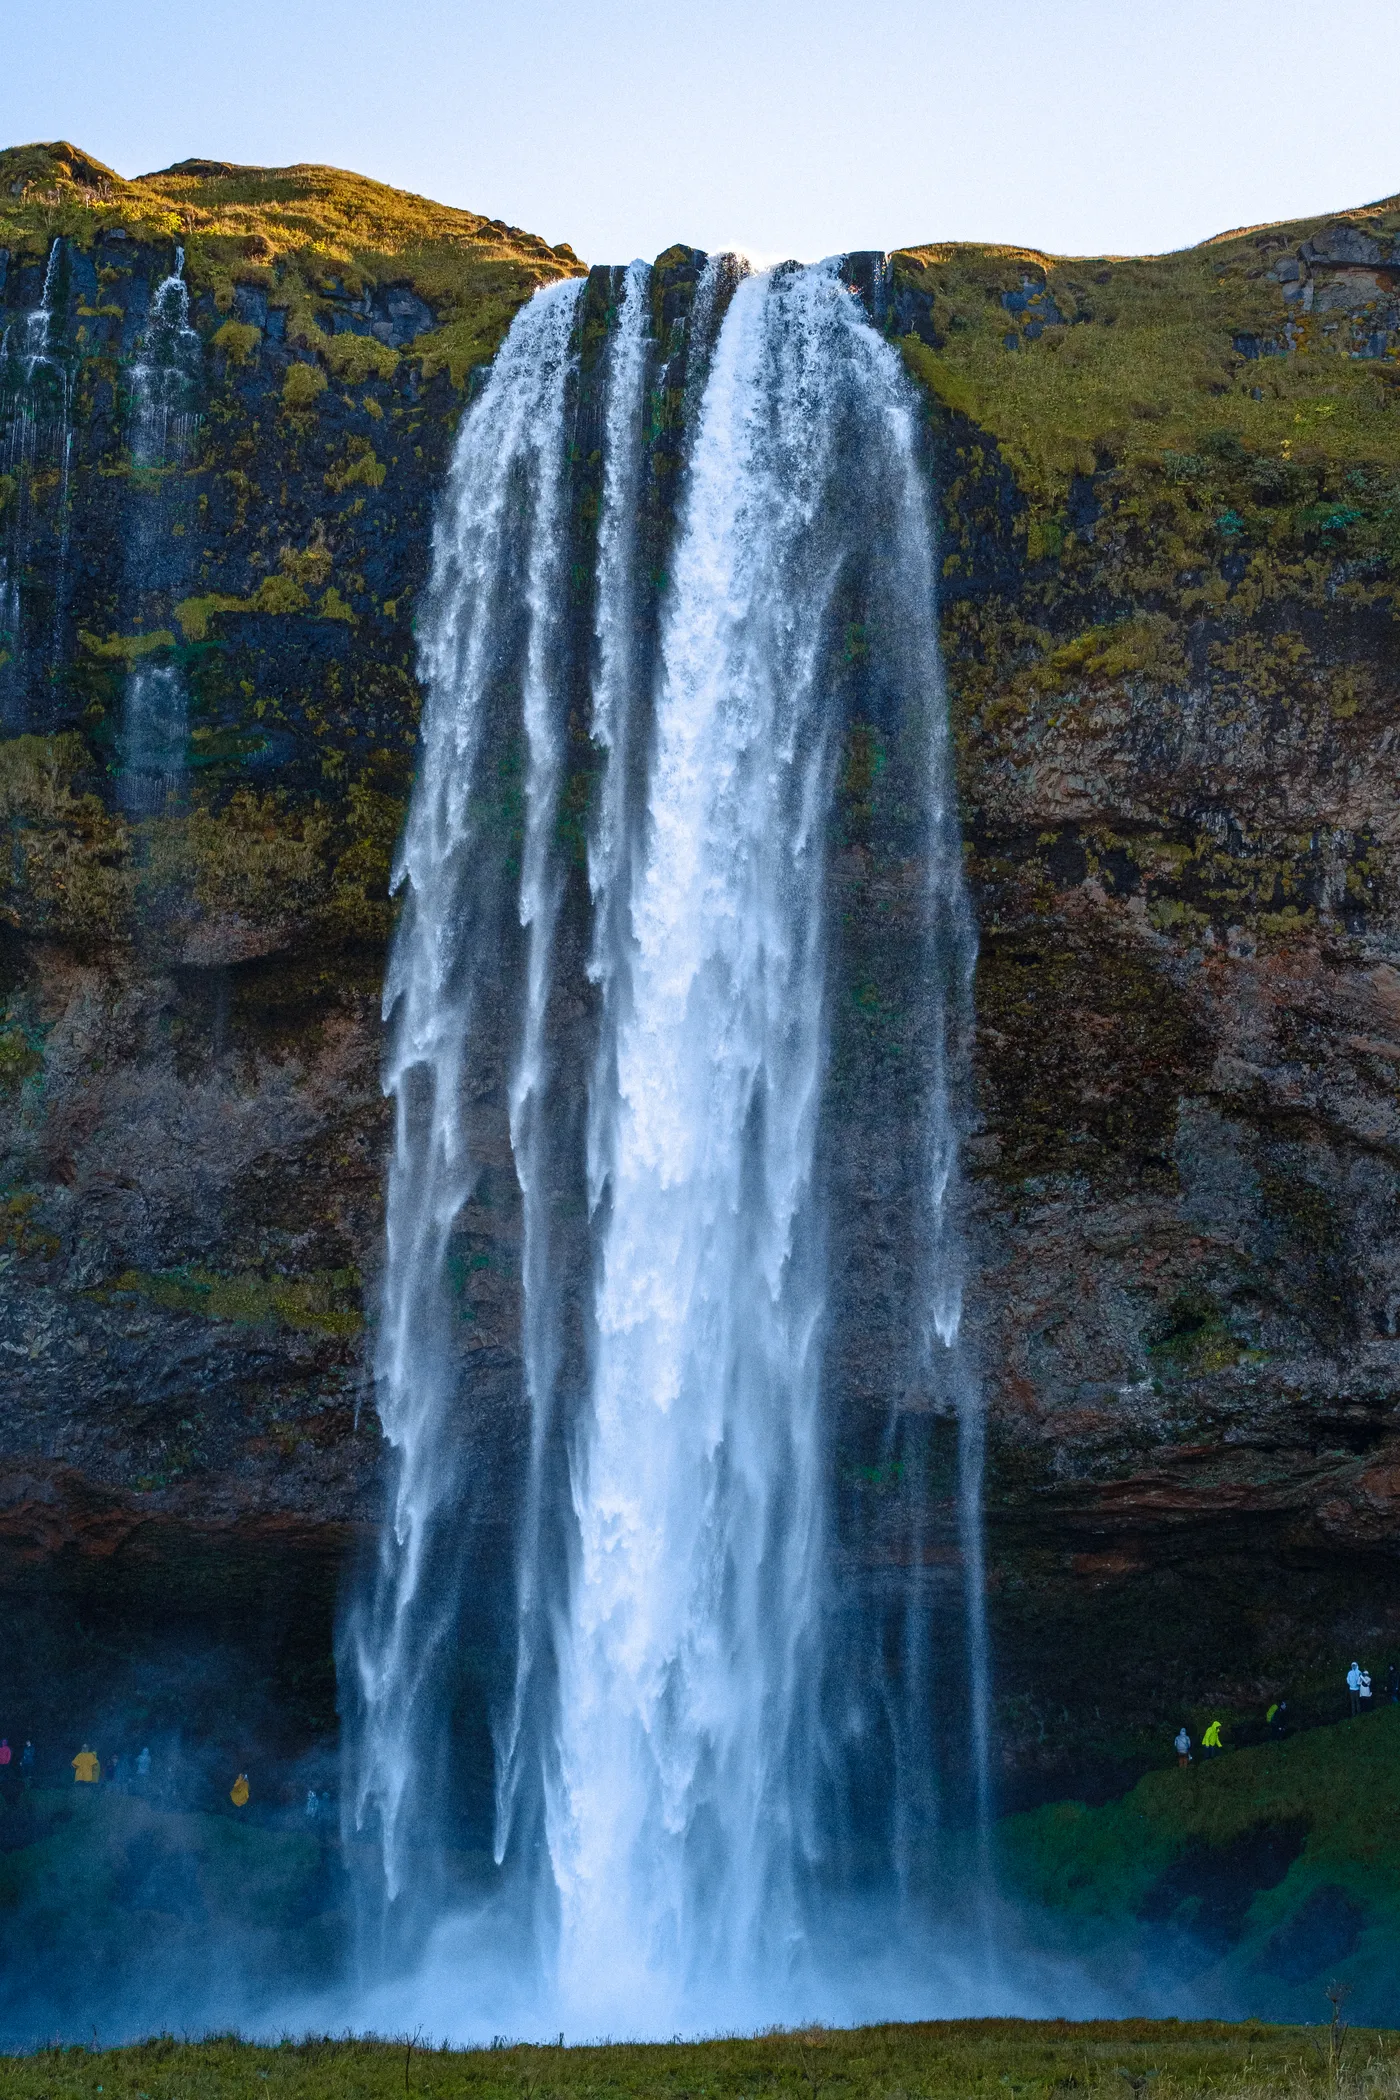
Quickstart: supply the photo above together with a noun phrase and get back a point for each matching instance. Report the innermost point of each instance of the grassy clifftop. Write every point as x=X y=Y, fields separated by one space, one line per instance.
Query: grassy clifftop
x=1210 y=436
x=1264 y=335
x=304 y=234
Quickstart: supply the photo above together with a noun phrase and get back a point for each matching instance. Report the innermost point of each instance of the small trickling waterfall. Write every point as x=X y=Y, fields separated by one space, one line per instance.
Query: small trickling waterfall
x=36 y=449
x=154 y=739
x=163 y=424
x=660 y=1055
x=165 y=377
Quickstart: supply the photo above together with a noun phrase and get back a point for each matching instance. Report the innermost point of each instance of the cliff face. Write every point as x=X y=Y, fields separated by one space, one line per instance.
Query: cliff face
x=193 y=1129
x=1171 y=513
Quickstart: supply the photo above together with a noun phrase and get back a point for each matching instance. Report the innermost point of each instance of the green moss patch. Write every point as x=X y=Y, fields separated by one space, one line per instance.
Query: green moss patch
x=325 y=1302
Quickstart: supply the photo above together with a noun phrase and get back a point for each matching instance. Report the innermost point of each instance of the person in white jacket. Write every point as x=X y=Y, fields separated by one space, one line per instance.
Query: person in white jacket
x=1354 y=1687
x=1183 y=1747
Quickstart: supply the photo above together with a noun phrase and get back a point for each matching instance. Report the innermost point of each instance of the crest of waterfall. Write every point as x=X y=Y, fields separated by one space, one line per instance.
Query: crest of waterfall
x=35 y=435
x=490 y=639
x=674 y=1745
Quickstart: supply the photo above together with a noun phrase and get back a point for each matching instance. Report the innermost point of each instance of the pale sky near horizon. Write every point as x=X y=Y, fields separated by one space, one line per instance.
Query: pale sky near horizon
x=782 y=127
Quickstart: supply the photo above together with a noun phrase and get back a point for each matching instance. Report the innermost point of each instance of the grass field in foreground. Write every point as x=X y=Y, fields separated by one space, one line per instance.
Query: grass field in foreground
x=1059 y=2059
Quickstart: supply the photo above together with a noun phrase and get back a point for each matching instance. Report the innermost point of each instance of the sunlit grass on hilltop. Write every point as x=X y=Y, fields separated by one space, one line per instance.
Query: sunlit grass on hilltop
x=1143 y=355
x=297 y=233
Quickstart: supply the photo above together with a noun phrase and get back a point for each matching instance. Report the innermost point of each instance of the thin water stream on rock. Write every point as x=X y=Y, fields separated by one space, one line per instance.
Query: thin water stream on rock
x=163 y=427
x=36 y=452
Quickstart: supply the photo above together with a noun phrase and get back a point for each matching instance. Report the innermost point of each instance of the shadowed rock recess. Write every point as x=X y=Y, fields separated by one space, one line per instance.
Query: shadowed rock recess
x=1169 y=492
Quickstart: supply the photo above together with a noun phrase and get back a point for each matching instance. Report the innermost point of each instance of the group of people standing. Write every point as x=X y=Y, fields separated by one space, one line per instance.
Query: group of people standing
x=1359 y=1688
x=89 y=1770
x=134 y=1775
x=23 y=1765
x=1276 y=1720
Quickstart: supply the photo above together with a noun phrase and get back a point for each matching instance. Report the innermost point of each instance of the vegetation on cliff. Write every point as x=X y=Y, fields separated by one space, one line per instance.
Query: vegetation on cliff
x=1168 y=473
x=309 y=237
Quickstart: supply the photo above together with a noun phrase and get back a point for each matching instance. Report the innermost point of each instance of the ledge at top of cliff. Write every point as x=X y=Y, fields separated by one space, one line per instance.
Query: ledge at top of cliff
x=310 y=238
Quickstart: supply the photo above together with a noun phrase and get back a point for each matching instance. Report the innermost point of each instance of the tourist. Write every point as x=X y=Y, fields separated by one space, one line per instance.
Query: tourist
x=1392 y=1685
x=87 y=1767
x=115 y=1770
x=1183 y=1747
x=5 y=1755
x=1354 y=1688
x=312 y=1805
x=1277 y=1719
x=26 y=1763
x=143 y=1768
x=238 y=1792
x=1364 y=1698
x=1211 y=1745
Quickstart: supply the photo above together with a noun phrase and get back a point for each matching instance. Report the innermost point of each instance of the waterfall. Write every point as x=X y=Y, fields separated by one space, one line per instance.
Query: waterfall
x=165 y=377
x=154 y=739
x=163 y=423
x=36 y=442
x=612 y=721
x=676 y=1828
x=681 y=1726
x=498 y=580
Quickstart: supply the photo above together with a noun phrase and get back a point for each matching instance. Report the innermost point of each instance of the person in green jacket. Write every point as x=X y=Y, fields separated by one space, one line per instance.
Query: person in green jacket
x=1211 y=1745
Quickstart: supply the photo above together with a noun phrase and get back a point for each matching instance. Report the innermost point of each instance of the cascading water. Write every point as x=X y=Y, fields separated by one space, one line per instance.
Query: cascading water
x=613 y=726
x=679 y=1740
x=163 y=425
x=165 y=378
x=678 y=1826
x=488 y=648
x=154 y=739
x=36 y=448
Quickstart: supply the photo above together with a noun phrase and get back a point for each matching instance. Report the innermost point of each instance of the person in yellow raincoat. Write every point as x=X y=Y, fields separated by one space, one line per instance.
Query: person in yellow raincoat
x=1210 y=1741
x=238 y=1792
x=87 y=1767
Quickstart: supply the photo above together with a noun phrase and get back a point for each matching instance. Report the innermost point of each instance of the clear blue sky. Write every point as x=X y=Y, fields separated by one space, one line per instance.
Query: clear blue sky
x=796 y=127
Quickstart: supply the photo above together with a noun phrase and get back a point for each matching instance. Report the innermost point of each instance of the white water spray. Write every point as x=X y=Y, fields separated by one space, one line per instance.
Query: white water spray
x=612 y=725
x=154 y=739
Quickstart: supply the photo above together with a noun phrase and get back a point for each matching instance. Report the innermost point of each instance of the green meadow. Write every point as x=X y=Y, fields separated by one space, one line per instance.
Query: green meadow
x=1059 y=2059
